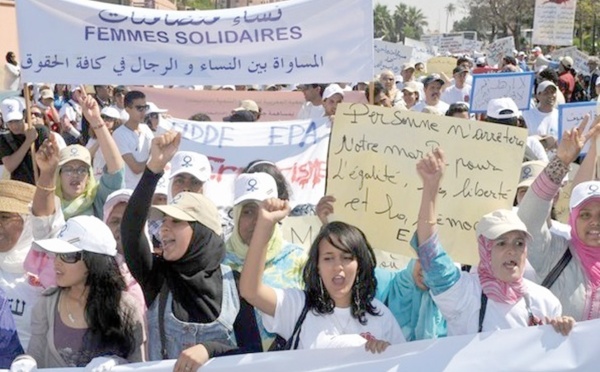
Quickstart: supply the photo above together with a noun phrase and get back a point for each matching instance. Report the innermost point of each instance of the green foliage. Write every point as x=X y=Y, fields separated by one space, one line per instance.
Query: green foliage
x=405 y=21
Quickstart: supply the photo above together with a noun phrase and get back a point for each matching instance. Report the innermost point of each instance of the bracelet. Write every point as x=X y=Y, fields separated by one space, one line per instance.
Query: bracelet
x=49 y=189
x=99 y=126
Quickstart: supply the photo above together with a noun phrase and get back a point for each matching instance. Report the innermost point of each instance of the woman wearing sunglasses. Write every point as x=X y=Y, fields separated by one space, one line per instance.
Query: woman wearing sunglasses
x=194 y=310
x=88 y=319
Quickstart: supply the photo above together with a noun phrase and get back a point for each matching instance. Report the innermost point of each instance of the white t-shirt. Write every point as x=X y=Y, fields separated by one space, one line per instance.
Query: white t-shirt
x=441 y=106
x=460 y=306
x=310 y=111
x=541 y=123
x=335 y=330
x=453 y=94
x=134 y=143
x=22 y=297
x=98 y=161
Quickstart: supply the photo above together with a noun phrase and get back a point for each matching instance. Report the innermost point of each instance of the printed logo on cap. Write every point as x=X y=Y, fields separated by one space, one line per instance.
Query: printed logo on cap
x=74 y=151
x=177 y=198
x=593 y=189
x=252 y=182
x=527 y=172
x=10 y=108
x=62 y=231
x=187 y=161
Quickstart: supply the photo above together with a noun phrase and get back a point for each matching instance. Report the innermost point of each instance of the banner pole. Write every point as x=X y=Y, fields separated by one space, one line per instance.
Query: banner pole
x=28 y=124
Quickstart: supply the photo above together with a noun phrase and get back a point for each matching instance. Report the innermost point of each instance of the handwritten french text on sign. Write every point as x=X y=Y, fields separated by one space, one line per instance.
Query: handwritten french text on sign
x=500 y=48
x=517 y=86
x=284 y=42
x=570 y=115
x=391 y=56
x=553 y=22
x=298 y=148
x=371 y=171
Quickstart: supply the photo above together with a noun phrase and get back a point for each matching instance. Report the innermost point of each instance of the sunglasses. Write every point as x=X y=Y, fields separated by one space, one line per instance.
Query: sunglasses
x=153 y=115
x=70 y=258
x=141 y=108
x=107 y=118
x=37 y=114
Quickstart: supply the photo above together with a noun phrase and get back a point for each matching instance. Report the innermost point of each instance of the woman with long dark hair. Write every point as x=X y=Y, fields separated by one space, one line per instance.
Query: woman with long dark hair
x=88 y=315
x=339 y=295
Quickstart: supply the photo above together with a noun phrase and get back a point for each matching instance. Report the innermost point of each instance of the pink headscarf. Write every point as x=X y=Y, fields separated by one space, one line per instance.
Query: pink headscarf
x=588 y=255
x=494 y=288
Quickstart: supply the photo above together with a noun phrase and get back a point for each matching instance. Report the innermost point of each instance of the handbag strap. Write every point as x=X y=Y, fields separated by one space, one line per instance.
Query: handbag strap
x=557 y=269
x=298 y=327
x=482 y=309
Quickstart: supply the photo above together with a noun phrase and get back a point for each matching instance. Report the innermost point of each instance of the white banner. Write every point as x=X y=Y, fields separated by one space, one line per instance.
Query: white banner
x=294 y=41
x=580 y=59
x=391 y=56
x=421 y=51
x=298 y=148
x=553 y=22
x=517 y=86
x=521 y=349
x=500 y=48
x=570 y=115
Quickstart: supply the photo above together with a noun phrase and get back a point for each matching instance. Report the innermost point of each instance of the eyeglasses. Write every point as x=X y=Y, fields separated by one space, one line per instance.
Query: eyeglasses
x=37 y=114
x=107 y=118
x=81 y=171
x=70 y=258
x=141 y=108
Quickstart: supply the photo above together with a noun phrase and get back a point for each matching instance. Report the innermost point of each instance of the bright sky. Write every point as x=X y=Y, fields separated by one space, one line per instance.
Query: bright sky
x=433 y=10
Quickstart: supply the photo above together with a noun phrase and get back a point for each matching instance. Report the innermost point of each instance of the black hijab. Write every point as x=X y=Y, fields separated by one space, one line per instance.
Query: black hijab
x=195 y=280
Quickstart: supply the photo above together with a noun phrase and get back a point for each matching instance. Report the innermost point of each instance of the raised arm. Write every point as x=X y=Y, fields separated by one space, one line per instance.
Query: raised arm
x=46 y=158
x=587 y=170
x=252 y=288
x=136 y=249
x=110 y=151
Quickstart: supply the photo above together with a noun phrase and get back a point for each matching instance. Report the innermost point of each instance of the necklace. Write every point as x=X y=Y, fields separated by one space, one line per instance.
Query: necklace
x=69 y=315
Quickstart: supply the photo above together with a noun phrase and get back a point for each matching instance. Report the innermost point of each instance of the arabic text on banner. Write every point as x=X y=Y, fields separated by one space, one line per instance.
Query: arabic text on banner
x=284 y=42
x=371 y=172
x=518 y=86
x=553 y=22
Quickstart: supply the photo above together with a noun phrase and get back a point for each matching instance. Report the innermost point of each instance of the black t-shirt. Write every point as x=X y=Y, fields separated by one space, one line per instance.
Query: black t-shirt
x=10 y=143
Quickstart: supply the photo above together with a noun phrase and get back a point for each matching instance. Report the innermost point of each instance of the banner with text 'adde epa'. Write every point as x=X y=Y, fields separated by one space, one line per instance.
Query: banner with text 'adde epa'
x=285 y=42
x=371 y=171
x=298 y=148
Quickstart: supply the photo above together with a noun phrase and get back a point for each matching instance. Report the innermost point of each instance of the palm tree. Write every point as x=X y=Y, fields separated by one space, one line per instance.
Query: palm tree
x=450 y=11
x=415 y=22
x=382 y=23
x=399 y=21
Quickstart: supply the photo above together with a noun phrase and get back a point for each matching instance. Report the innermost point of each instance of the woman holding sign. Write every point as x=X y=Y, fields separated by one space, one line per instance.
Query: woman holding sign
x=571 y=267
x=496 y=296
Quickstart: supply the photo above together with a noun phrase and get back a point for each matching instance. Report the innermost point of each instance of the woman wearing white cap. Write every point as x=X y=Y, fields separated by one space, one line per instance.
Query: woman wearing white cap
x=284 y=263
x=571 y=267
x=194 y=310
x=112 y=120
x=496 y=296
x=88 y=319
x=153 y=115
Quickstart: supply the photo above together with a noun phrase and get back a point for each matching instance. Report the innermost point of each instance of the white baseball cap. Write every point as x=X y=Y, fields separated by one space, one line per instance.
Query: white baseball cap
x=545 y=85
x=499 y=222
x=502 y=108
x=529 y=172
x=11 y=110
x=254 y=186
x=192 y=163
x=152 y=108
x=81 y=233
x=114 y=199
x=331 y=90
x=111 y=112
x=583 y=192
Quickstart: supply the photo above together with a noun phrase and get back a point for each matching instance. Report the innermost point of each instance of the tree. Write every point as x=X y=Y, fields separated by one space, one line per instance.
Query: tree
x=450 y=11
x=383 y=24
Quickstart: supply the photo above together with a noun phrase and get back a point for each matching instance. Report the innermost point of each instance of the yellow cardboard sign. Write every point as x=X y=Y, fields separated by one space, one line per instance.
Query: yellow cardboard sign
x=371 y=171
x=440 y=65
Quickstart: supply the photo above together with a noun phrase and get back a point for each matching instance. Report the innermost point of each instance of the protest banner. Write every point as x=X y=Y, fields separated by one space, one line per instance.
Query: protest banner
x=520 y=349
x=390 y=56
x=283 y=42
x=301 y=230
x=553 y=22
x=580 y=59
x=298 y=148
x=517 y=86
x=422 y=52
x=371 y=172
x=570 y=115
x=441 y=65
x=500 y=48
